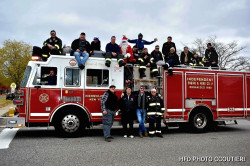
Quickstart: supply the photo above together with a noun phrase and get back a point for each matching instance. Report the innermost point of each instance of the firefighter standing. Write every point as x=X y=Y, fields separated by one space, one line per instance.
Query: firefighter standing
x=144 y=59
x=154 y=113
x=52 y=46
x=211 y=56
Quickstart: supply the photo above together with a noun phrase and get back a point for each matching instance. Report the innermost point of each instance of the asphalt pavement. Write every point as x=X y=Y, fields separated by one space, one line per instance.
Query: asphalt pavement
x=40 y=146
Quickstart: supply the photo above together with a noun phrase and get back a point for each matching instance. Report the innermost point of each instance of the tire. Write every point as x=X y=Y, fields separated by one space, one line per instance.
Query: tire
x=70 y=124
x=199 y=122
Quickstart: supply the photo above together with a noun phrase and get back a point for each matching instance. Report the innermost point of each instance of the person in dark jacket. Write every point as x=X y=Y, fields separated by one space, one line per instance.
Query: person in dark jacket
x=140 y=42
x=113 y=51
x=136 y=55
x=51 y=79
x=156 y=54
x=186 y=56
x=155 y=113
x=172 y=59
x=52 y=46
x=211 y=56
x=167 y=45
x=196 y=61
x=127 y=105
x=95 y=45
x=144 y=59
x=142 y=104
x=81 y=47
x=108 y=106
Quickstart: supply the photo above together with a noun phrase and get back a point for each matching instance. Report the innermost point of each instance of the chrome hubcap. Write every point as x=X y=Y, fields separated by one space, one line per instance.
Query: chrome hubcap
x=200 y=120
x=70 y=123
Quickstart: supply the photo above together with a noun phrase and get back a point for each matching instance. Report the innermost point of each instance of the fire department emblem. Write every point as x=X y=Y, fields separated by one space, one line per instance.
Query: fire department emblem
x=72 y=62
x=44 y=98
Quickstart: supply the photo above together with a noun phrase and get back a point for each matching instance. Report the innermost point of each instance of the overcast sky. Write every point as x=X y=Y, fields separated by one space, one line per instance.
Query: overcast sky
x=32 y=20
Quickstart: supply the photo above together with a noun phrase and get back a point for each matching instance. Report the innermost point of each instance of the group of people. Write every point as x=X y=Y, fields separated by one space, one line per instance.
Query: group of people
x=133 y=105
x=124 y=53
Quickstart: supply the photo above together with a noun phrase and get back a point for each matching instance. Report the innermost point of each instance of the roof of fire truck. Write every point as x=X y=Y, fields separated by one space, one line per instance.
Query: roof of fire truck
x=99 y=57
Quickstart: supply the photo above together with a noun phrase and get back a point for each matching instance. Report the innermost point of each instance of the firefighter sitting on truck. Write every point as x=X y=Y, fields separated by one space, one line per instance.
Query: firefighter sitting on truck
x=146 y=60
x=196 y=61
x=154 y=113
x=113 y=51
x=52 y=46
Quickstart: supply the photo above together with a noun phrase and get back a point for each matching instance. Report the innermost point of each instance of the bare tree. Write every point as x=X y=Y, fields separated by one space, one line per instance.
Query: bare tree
x=228 y=53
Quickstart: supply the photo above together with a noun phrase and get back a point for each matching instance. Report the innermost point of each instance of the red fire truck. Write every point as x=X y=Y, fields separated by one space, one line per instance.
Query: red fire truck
x=196 y=97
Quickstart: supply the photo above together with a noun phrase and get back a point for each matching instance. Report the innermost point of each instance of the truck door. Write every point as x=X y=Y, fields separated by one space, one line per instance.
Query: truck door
x=230 y=95
x=173 y=95
x=44 y=93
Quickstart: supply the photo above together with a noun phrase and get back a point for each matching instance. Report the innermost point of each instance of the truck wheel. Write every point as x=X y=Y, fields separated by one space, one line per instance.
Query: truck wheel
x=70 y=124
x=199 y=122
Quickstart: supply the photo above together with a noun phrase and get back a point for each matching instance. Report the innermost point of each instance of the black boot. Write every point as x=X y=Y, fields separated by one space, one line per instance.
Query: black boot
x=107 y=63
x=122 y=63
x=166 y=66
x=155 y=74
x=142 y=72
x=170 y=71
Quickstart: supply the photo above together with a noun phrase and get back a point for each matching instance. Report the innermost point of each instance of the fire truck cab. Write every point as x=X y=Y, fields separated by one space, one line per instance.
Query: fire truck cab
x=195 y=97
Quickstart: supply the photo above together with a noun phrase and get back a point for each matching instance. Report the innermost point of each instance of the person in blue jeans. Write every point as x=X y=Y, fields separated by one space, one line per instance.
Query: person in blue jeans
x=141 y=111
x=81 y=47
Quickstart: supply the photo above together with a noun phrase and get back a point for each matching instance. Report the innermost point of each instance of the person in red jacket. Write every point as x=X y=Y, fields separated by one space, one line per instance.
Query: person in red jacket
x=126 y=51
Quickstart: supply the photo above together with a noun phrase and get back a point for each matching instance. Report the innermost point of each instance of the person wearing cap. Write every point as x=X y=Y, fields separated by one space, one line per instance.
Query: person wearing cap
x=211 y=56
x=172 y=59
x=81 y=48
x=95 y=45
x=108 y=106
x=196 y=61
x=140 y=42
x=186 y=56
x=52 y=46
x=113 y=51
x=155 y=113
x=127 y=105
x=167 y=45
x=142 y=104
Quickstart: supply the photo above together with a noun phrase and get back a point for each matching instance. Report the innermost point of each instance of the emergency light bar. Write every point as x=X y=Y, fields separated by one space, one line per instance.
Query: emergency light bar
x=35 y=58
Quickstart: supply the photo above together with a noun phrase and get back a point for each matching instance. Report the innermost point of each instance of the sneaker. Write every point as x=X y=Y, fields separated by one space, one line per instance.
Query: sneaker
x=140 y=135
x=131 y=136
x=125 y=136
x=146 y=134
x=107 y=140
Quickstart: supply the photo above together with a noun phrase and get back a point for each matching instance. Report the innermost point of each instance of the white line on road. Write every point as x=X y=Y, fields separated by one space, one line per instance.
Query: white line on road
x=6 y=136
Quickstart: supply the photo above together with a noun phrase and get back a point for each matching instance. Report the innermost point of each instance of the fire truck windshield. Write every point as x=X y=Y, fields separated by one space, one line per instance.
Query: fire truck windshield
x=25 y=76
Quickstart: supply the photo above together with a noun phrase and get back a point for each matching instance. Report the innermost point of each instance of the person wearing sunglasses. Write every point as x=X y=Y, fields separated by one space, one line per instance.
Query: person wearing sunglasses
x=141 y=111
x=52 y=46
